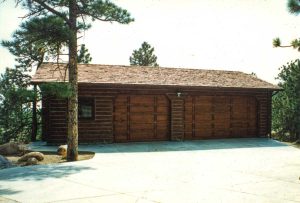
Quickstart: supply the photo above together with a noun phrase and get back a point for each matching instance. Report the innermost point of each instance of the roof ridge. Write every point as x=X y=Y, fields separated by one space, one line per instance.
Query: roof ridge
x=161 y=67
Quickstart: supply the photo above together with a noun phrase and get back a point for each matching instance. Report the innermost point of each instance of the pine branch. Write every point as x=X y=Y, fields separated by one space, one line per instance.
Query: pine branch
x=286 y=46
x=52 y=10
x=33 y=13
x=81 y=12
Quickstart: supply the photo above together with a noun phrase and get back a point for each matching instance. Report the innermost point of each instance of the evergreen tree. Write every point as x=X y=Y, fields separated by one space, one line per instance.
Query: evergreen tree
x=15 y=106
x=144 y=56
x=37 y=40
x=286 y=103
x=84 y=55
x=74 y=14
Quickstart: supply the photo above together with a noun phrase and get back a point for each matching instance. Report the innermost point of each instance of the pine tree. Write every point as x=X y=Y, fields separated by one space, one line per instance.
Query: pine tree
x=37 y=40
x=294 y=8
x=84 y=55
x=74 y=13
x=144 y=56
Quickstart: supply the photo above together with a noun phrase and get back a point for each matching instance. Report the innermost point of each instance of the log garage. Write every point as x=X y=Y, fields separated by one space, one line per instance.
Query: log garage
x=135 y=103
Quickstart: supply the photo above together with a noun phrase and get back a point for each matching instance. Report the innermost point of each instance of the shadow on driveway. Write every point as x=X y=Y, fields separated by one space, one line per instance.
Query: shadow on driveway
x=37 y=173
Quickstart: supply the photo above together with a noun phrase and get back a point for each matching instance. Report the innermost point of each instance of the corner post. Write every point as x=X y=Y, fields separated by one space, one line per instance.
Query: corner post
x=177 y=115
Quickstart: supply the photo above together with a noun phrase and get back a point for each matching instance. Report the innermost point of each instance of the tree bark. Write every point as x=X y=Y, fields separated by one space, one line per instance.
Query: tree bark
x=72 y=141
x=34 y=116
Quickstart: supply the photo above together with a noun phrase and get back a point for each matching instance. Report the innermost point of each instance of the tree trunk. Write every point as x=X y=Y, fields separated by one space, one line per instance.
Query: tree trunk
x=72 y=141
x=34 y=117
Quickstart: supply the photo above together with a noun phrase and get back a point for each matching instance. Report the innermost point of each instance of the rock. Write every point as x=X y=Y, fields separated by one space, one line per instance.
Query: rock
x=31 y=161
x=37 y=155
x=4 y=162
x=12 y=148
x=62 y=150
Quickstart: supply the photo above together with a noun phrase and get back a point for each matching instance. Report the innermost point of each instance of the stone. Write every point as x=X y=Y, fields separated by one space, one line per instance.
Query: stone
x=32 y=161
x=37 y=155
x=4 y=162
x=62 y=150
x=12 y=148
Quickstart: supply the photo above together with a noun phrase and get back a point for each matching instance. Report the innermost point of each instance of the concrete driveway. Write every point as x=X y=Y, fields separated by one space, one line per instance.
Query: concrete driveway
x=232 y=170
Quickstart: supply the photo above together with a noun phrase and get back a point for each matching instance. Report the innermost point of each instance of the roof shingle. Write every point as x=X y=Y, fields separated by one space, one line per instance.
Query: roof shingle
x=117 y=74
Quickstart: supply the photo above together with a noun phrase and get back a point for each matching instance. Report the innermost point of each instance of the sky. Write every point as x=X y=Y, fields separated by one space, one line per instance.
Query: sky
x=216 y=34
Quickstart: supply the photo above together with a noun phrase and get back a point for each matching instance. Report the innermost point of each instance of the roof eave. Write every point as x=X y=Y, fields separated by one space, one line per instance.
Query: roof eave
x=37 y=82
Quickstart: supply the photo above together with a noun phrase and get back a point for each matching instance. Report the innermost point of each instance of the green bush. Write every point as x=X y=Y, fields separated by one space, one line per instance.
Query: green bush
x=286 y=103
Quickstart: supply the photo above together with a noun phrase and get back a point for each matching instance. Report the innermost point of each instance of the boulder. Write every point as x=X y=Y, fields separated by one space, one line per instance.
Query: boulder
x=12 y=148
x=62 y=150
x=4 y=162
x=31 y=161
x=37 y=155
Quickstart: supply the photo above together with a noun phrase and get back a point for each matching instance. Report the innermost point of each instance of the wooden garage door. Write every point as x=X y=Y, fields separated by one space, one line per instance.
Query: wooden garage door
x=220 y=117
x=141 y=118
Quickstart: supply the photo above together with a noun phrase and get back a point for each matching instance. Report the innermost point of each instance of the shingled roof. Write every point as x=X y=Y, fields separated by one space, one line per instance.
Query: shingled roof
x=142 y=75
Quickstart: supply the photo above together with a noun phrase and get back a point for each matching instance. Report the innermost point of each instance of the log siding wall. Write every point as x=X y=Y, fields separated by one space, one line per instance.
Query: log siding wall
x=177 y=118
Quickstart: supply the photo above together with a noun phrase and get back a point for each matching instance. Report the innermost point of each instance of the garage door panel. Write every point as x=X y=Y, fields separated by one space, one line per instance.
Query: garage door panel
x=121 y=108
x=203 y=126
x=163 y=130
x=252 y=116
x=141 y=126
x=121 y=126
x=203 y=134
x=203 y=117
x=120 y=118
x=163 y=109
x=252 y=131
x=218 y=125
x=222 y=133
x=221 y=109
x=203 y=99
x=141 y=108
x=188 y=135
x=203 y=110
x=252 y=124
x=239 y=109
x=138 y=100
x=141 y=118
x=188 y=118
x=239 y=132
x=188 y=127
x=140 y=135
x=221 y=116
x=239 y=124
x=144 y=117
x=146 y=134
x=140 y=131
x=163 y=102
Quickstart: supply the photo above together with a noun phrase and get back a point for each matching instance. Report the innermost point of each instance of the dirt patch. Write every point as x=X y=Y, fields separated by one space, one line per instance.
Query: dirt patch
x=52 y=158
